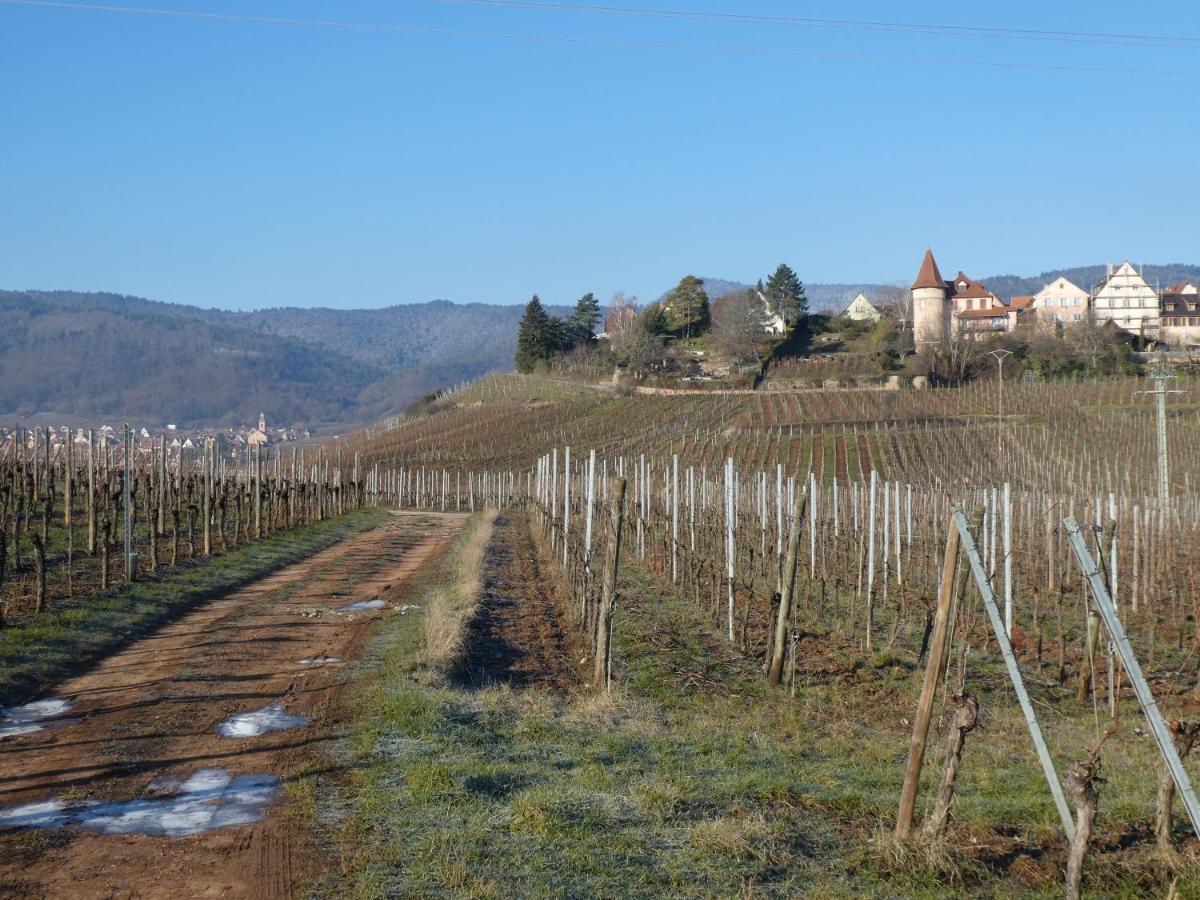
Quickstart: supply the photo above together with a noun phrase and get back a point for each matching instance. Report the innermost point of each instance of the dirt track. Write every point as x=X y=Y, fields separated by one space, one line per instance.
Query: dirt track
x=151 y=713
x=518 y=637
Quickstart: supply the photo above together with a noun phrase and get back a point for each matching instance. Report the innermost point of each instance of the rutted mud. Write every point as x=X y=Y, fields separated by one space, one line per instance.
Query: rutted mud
x=147 y=798
x=517 y=637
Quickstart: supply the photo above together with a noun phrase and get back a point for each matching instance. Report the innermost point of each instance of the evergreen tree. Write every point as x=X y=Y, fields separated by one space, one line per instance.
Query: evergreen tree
x=652 y=320
x=687 y=307
x=581 y=326
x=537 y=338
x=785 y=293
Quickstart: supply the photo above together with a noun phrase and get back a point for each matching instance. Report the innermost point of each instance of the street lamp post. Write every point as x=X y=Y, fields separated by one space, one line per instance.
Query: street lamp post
x=1000 y=356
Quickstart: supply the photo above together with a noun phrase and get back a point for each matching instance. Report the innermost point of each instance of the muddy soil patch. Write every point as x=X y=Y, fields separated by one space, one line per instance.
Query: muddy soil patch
x=518 y=637
x=151 y=750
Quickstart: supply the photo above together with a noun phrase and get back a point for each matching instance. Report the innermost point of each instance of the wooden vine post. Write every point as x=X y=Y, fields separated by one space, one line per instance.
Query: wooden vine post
x=787 y=591
x=934 y=670
x=608 y=596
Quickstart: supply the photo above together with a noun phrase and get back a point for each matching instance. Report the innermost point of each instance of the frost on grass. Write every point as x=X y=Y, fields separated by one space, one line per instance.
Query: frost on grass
x=210 y=798
x=30 y=717
x=361 y=605
x=259 y=721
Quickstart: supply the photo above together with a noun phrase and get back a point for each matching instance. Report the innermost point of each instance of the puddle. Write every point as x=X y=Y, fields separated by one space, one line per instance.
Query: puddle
x=321 y=661
x=31 y=717
x=363 y=604
x=259 y=721
x=210 y=798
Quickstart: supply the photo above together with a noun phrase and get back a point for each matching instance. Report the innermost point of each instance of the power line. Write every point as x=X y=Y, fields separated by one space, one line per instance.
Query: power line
x=596 y=41
x=977 y=31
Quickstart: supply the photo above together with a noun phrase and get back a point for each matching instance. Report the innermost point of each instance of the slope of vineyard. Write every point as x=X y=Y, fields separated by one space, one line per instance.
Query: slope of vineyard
x=694 y=775
x=1075 y=437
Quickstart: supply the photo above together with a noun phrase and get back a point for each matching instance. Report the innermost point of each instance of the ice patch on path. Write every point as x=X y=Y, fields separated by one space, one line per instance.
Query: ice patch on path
x=29 y=718
x=210 y=798
x=321 y=661
x=44 y=814
x=363 y=604
x=252 y=724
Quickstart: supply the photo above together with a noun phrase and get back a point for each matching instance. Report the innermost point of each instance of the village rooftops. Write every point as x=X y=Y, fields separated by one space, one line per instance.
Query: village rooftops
x=967 y=288
x=996 y=312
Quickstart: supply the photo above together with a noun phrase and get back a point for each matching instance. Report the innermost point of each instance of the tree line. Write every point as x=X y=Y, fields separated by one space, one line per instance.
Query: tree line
x=732 y=324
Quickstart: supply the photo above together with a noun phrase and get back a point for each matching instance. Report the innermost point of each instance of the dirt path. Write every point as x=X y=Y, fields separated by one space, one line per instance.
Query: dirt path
x=147 y=720
x=517 y=637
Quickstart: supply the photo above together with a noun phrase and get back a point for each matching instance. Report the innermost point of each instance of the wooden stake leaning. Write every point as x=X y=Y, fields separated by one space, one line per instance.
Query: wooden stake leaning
x=608 y=596
x=933 y=678
x=1014 y=672
x=787 y=592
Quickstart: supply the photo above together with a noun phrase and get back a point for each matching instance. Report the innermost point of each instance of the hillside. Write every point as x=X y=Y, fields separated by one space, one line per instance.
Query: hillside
x=78 y=355
x=398 y=337
x=108 y=355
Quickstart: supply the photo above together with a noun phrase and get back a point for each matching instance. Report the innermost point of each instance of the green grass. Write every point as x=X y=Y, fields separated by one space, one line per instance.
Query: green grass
x=699 y=780
x=40 y=652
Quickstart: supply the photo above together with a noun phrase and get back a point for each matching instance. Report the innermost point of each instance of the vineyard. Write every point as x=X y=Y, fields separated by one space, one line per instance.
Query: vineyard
x=848 y=641
x=707 y=490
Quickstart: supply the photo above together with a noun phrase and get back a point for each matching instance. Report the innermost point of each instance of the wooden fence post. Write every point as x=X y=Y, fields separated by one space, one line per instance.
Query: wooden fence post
x=933 y=677
x=786 y=592
x=608 y=596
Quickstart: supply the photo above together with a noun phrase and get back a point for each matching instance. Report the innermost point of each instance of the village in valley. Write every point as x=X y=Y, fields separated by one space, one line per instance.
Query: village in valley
x=233 y=443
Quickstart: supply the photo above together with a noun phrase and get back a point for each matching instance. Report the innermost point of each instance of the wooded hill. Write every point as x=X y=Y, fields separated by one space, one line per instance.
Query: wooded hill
x=100 y=355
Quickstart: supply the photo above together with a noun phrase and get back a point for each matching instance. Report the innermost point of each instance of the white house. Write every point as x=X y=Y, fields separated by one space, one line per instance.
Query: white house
x=772 y=322
x=1061 y=301
x=1125 y=299
x=860 y=309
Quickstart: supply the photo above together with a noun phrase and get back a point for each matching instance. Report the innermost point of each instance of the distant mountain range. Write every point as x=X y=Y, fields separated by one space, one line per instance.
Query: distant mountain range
x=85 y=356
x=80 y=355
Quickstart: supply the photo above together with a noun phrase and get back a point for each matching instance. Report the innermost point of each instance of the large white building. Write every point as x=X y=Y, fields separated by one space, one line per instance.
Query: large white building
x=1061 y=301
x=1125 y=299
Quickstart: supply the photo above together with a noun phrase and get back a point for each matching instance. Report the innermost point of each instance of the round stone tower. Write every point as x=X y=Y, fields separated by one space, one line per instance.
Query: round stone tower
x=929 y=312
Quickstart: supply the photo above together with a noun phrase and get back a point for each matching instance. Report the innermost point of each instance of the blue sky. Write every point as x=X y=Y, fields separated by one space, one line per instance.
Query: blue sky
x=245 y=164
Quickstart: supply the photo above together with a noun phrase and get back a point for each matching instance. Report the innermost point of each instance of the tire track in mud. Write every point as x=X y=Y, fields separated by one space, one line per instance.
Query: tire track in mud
x=517 y=637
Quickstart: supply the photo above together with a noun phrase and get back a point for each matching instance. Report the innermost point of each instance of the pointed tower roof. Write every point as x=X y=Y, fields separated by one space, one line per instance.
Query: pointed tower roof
x=929 y=276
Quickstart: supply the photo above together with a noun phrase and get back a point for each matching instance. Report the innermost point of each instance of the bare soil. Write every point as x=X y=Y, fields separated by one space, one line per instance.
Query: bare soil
x=152 y=710
x=517 y=637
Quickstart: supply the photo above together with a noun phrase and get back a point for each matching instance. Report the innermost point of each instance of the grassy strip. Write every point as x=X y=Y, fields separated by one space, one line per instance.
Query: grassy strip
x=698 y=780
x=36 y=655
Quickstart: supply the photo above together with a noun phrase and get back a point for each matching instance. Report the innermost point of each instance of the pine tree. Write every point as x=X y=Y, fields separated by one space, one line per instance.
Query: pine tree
x=785 y=292
x=581 y=326
x=537 y=338
x=687 y=307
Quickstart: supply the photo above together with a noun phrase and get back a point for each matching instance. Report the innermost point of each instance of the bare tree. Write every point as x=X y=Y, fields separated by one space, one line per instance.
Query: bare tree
x=896 y=301
x=621 y=321
x=737 y=325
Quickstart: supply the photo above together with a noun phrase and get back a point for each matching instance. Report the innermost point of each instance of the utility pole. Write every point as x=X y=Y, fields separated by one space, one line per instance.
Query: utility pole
x=1160 y=374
